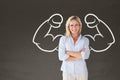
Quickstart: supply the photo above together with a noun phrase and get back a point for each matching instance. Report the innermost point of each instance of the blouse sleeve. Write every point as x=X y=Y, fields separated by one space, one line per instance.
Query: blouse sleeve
x=85 y=54
x=61 y=49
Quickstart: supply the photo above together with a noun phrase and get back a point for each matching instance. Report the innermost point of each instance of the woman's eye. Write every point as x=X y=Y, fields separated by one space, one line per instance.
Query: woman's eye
x=71 y=25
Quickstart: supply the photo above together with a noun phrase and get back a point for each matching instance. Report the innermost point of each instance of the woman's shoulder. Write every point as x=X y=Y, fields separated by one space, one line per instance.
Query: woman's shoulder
x=63 y=38
x=85 y=38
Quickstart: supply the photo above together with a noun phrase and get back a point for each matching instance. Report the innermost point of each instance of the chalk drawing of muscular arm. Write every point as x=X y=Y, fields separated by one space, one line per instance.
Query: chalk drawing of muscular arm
x=43 y=39
x=104 y=36
x=46 y=41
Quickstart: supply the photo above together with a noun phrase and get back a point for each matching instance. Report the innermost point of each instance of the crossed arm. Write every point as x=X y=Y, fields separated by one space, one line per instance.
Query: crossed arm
x=74 y=55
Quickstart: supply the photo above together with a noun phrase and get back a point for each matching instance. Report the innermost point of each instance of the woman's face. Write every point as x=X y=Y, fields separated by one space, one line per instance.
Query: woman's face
x=74 y=27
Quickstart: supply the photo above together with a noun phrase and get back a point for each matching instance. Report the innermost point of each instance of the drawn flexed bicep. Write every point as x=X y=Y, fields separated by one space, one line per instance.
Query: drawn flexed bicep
x=104 y=38
x=43 y=38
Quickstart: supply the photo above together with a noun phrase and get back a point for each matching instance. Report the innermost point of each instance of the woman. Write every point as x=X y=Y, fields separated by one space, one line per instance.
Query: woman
x=73 y=50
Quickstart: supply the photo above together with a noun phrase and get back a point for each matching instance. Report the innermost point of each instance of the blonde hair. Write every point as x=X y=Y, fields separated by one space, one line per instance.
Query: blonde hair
x=68 y=24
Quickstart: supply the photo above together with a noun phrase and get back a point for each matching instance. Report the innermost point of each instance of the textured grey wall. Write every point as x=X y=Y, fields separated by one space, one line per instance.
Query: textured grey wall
x=20 y=59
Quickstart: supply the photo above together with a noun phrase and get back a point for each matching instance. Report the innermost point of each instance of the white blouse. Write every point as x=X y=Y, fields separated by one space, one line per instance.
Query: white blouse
x=67 y=44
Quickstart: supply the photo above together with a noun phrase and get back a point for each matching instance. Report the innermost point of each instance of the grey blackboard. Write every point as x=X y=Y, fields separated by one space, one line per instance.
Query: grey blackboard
x=21 y=59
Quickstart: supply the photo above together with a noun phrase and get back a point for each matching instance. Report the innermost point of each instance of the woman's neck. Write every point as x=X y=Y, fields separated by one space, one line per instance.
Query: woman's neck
x=75 y=37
